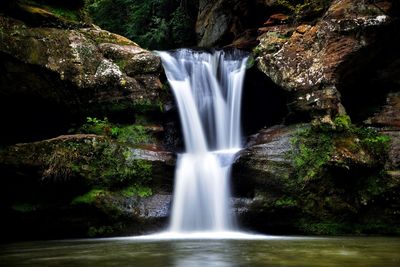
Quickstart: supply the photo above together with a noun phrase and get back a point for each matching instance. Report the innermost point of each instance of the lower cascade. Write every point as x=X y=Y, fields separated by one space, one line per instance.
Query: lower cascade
x=208 y=89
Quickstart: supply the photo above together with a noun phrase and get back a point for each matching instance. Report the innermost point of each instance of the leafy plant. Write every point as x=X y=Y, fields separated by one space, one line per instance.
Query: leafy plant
x=374 y=142
x=342 y=122
x=313 y=150
x=132 y=134
x=96 y=126
x=89 y=197
x=137 y=190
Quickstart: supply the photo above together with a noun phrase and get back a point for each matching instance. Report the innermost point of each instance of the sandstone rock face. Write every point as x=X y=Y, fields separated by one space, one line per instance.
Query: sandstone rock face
x=57 y=72
x=210 y=37
x=309 y=59
x=389 y=114
x=228 y=23
x=95 y=67
x=388 y=119
x=264 y=164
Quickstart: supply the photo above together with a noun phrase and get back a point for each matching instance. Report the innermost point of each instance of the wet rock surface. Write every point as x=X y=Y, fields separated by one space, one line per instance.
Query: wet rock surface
x=312 y=59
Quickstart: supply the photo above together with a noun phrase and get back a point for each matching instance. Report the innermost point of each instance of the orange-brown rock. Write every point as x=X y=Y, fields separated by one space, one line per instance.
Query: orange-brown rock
x=278 y=18
x=307 y=60
x=389 y=114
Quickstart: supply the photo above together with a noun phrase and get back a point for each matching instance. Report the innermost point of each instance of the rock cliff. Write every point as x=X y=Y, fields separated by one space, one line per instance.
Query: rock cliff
x=85 y=139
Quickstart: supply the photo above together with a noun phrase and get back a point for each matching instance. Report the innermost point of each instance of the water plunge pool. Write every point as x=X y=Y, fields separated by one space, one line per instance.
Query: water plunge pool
x=259 y=251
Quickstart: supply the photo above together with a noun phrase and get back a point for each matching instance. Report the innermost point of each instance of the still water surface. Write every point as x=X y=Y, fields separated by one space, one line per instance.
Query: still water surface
x=127 y=252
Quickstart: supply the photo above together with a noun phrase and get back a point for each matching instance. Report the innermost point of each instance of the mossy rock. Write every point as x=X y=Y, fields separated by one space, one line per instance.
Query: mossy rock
x=322 y=179
x=81 y=71
x=83 y=185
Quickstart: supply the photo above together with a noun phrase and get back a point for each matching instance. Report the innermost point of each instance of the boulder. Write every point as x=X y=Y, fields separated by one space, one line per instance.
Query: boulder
x=228 y=23
x=308 y=179
x=312 y=60
x=389 y=115
x=54 y=77
x=264 y=163
x=83 y=185
x=85 y=67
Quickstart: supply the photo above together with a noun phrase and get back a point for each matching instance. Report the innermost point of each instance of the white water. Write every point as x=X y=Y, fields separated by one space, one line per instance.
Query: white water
x=208 y=89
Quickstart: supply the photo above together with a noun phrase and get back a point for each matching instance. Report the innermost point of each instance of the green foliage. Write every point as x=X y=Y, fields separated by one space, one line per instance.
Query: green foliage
x=374 y=142
x=102 y=162
x=314 y=150
x=118 y=172
x=181 y=28
x=111 y=166
x=314 y=146
x=286 y=202
x=24 y=207
x=251 y=61
x=153 y=24
x=69 y=10
x=322 y=227
x=96 y=126
x=145 y=105
x=94 y=231
x=137 y=190
x=88 y=198
x=64 y=13
x=157 y=37
x=342 y=122
x=132 y=134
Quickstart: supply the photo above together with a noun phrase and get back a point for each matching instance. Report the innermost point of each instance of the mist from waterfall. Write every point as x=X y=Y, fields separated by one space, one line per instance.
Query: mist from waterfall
x=208 y=89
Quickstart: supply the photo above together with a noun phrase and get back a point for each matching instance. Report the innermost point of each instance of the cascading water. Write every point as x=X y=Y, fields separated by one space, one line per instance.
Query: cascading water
x=208 y=89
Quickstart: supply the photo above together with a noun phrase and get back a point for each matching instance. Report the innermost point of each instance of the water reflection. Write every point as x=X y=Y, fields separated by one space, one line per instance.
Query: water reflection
x=214 y=254
x=288 y=252
x=198 y=260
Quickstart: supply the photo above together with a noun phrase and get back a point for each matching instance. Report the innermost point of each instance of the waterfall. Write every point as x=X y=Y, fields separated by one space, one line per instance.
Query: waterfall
x=207 y=88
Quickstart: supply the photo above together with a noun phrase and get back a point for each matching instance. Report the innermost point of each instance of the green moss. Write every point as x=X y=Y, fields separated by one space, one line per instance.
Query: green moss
x=342 y=122
x=101 y=161
x=315 y=146
x=24 y=207
x=95 y=231
x=257 y=51
x=121 y=64
x=277 y=35
x=131 y=134
x=339 y=171
x=137 y=190
x=285 y=202
x=250 y=61
x=134 y=134
x=301 y=9
x=88 y=198
x=68 y=14
x=145 y=106
x=60 y=163
x=96 y=126
x=113 y=167
x=65 y=11
x=323 y=227
x=313 y=149
x=374 y=142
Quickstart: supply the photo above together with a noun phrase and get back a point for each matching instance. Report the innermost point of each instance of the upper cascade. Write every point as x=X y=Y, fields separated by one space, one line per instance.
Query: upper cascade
x=208 y=89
